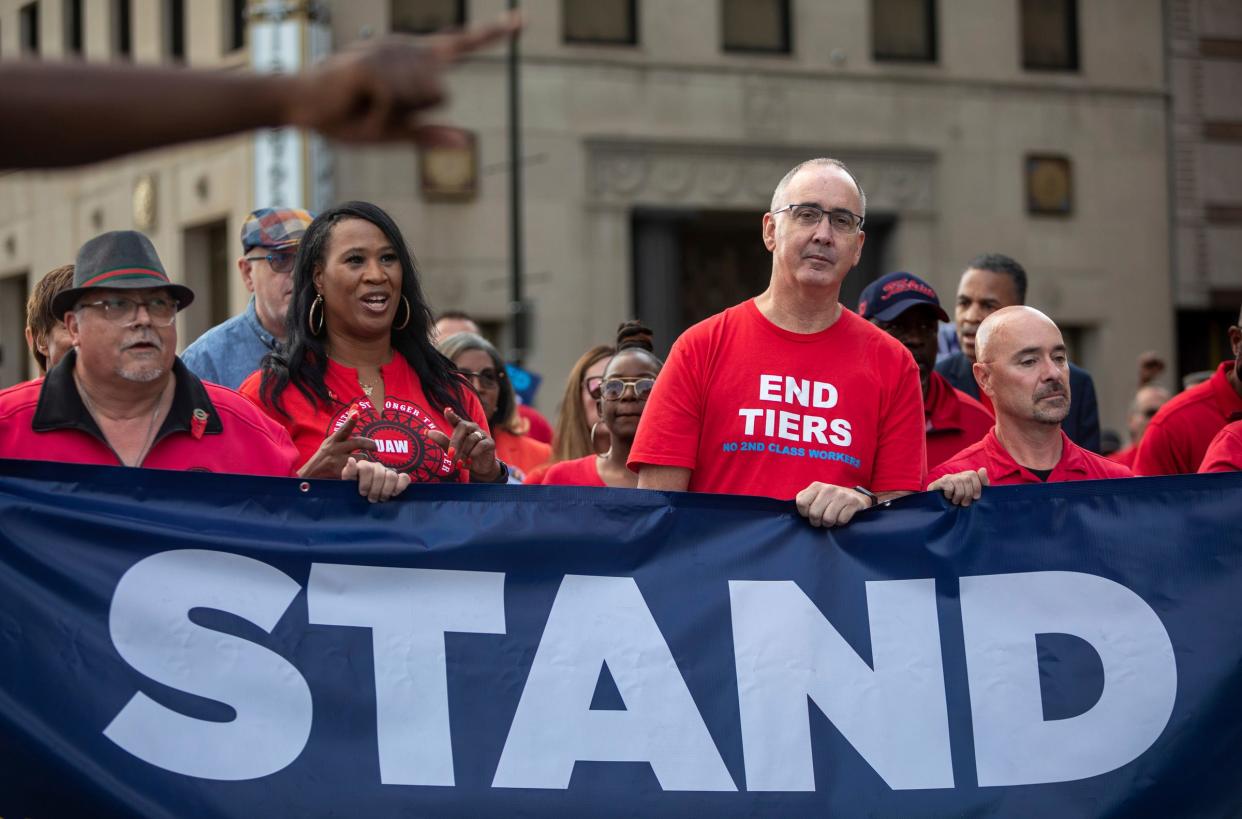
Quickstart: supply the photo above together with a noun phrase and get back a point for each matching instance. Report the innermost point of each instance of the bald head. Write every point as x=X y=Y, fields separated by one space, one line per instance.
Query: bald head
x=1010 y=326
x=1023 y=367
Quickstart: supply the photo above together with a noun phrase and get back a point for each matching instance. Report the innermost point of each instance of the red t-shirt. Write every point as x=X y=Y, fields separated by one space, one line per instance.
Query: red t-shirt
x=1125 y=457
x=1224 y=454
x=537 y=425
x=954 y=420
x=1076 y=464
x=578 y=472
x=521 y=453
x=753 y=409
x=1180 y=432
x=208 y=429
x=399 y=428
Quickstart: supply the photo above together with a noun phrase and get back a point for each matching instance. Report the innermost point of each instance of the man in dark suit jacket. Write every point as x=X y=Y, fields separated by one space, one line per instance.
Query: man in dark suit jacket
x=993 y=281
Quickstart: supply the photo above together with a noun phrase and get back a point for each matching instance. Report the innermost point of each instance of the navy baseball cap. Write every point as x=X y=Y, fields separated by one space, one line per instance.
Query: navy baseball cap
x=889 y=296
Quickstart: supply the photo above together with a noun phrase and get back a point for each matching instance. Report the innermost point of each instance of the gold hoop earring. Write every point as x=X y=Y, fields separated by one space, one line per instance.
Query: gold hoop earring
x=310 y=316
x=408 y=313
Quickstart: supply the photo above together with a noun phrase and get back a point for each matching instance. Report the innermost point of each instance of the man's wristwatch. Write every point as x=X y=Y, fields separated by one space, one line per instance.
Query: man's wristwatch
x=870 y=495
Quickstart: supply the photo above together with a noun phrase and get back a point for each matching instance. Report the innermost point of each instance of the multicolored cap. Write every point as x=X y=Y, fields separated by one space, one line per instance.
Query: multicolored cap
x=122 y=260
x=275 y=228
x=889 y=296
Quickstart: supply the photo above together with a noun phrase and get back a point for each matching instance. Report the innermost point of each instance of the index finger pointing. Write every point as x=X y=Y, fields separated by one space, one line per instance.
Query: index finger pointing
x=453 y=46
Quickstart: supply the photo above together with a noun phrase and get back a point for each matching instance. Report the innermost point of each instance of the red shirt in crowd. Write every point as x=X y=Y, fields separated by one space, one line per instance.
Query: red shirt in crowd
x=954 y=420
x=1224 y=454
x=578 y=472
x=521 y=453
x=1180 y=432
x=400 y=427
x=1076 y=464
x=1126 y=456
x=753 y=409
x=208 y=428
x=537 y=425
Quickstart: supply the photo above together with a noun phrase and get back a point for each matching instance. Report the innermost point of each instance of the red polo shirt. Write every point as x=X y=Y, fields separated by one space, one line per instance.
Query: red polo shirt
x=1179 y=434
x=1224 y=454
x=1126 y=456
x=208 y=428
x=954 y=420
x=1076 y=464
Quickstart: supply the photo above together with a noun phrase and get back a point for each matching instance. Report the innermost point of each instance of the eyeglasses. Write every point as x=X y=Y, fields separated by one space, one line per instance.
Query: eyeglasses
x=120 y=310
x=614 y=388
x=279 y=262
x=840 y=220
x=489 y=379
x=592 y=385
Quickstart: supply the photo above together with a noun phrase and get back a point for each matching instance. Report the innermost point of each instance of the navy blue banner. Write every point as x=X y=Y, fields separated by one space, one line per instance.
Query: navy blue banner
x=207 y=645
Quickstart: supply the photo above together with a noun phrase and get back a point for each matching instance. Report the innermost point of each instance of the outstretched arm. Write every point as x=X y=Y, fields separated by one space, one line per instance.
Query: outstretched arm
x=61 y=114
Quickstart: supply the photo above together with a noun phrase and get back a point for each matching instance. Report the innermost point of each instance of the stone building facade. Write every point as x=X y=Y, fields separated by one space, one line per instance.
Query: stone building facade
x=653 y=134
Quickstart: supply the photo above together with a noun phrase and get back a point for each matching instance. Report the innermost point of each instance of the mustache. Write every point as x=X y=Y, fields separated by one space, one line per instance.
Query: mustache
x=144 y=336
x=1050 y=390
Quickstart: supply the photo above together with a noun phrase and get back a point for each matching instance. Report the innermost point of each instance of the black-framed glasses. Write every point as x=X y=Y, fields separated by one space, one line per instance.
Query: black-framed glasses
x=279 y=262
x=488 y=378
x=614 y=388
x=162 y=310
x=841 y=221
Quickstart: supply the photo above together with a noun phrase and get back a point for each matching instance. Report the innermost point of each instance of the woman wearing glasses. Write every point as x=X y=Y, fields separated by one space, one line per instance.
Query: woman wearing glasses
x=476 y=359
x=358 y=375
x=627 y=382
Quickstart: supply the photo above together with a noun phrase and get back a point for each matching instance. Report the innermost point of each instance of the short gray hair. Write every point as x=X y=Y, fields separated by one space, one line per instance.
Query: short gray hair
x=779 y=193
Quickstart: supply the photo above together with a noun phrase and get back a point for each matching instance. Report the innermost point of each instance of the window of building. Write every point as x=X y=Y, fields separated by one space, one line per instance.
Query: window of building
x=122 y=38
x=72 y=17
x=30 y=28
x=600 y=21
x=1050 y=35
x=427 y=16
x=903 y=30
x=236 y=27
x=756 y=25
x=174 y=29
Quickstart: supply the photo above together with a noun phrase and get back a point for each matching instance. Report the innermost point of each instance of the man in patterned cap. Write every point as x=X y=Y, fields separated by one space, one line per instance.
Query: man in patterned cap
x=229 y=352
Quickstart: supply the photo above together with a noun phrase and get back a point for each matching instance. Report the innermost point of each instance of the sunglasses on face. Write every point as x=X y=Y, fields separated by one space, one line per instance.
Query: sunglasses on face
x=614 y=388
x=592 y=385
x=279 y=262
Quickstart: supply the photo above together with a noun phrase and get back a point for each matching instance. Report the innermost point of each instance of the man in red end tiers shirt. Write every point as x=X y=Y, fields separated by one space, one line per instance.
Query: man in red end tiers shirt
x=1023 y=367
x=122 y=397
x=907 y=308
x=1224 y=454
x=789 y=394
x=1179 y=434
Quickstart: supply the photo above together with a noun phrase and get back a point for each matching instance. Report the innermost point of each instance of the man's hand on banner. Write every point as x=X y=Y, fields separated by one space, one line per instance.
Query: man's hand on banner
x=470 y=448
x=824 y=504
x=335 y=451
x=961 y=488
x=376 y=482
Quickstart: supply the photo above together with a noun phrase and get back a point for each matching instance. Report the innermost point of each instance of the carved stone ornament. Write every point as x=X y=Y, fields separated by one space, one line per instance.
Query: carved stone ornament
x=743 y=176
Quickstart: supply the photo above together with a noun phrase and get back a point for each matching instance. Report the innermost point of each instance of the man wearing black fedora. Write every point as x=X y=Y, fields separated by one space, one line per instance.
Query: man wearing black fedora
x=122 y=397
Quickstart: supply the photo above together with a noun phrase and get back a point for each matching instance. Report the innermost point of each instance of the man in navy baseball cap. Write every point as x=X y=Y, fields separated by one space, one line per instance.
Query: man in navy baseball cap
x=907 y=308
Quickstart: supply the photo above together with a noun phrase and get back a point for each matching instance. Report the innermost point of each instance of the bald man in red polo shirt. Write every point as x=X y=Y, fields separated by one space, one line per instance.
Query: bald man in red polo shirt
x=1023 y=366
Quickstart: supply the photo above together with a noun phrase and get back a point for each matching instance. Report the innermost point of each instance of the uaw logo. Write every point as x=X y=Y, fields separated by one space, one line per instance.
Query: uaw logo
x=400 y=431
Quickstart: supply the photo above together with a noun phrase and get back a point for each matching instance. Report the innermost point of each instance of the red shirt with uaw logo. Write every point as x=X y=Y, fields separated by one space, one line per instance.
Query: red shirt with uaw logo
x=754 y=409
x=400 y=426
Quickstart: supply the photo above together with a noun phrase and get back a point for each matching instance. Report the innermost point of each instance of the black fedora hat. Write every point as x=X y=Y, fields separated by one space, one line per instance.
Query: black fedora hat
x=120 y=259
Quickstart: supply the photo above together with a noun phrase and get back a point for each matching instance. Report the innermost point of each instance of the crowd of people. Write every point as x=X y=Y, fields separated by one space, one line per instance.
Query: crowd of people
x=337 y=369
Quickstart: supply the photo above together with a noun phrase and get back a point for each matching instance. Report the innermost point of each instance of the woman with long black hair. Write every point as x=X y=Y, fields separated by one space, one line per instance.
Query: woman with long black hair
x=358 y=359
